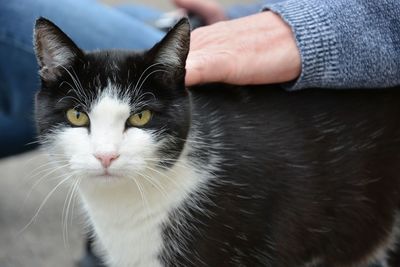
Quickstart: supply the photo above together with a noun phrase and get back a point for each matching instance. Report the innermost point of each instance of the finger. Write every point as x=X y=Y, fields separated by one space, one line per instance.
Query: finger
x=209 y=10
x=197 y=6
x=204 y=67
x=193 y=72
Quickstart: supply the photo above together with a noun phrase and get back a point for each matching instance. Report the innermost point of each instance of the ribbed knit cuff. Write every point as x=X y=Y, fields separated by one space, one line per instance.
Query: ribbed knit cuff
x=315 y=39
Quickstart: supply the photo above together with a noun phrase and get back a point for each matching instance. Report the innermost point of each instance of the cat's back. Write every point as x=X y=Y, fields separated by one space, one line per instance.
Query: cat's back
x=356 y=119
x=309 y=129
x=316 y=159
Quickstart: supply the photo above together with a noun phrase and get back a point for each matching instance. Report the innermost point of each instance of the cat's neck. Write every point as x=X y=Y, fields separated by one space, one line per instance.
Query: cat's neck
x=128 y=214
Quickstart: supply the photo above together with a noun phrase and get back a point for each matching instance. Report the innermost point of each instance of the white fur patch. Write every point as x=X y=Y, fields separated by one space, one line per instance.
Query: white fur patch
x=128 y=208
x=128 y=218
x=382 y=252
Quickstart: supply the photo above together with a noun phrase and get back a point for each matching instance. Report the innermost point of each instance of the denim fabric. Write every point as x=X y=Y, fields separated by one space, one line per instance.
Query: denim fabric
x=90 y=24
x=140 y=12
x=242 y=10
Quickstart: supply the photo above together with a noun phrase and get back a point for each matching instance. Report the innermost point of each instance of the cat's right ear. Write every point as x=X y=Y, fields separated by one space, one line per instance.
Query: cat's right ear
x=173 y=49
x=54 y=50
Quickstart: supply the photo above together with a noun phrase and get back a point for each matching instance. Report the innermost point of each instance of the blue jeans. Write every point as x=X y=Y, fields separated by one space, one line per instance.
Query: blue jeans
x=90 y=24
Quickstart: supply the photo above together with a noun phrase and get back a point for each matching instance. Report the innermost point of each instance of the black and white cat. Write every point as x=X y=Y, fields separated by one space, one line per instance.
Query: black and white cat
x=218 y=175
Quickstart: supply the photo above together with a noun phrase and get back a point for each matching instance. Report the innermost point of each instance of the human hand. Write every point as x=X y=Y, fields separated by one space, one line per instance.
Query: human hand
x=209 y=10
x=257 y=49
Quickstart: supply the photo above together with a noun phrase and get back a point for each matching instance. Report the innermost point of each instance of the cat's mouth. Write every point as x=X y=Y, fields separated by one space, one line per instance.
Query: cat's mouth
x=106 y=174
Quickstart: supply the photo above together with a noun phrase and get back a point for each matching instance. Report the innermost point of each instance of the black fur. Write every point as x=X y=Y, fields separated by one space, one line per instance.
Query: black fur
x=303 y=175
x=306 y=175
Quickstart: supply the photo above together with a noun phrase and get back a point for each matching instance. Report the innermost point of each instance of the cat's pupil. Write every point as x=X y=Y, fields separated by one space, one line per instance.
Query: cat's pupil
x=78 y=114
x=140 y=115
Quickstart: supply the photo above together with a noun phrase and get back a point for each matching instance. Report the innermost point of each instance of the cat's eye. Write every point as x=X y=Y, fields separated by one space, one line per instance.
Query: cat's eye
x=77 y=118
x=140 y=119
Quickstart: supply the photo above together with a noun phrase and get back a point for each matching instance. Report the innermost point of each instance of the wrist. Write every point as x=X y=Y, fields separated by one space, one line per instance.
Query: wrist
x=315 y=39
x=284 y=44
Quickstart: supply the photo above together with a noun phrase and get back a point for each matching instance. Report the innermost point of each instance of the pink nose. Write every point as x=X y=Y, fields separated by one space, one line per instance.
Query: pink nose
x=106 y=158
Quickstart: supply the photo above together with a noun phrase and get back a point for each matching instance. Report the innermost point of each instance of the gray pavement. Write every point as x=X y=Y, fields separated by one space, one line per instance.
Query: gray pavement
x=40 y=243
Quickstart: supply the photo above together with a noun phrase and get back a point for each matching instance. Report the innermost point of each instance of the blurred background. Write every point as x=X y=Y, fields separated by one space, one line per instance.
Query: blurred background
x=166 y=4
x=44 y=241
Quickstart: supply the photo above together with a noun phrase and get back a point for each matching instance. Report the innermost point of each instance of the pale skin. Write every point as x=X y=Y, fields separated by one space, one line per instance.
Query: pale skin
x=257 y=49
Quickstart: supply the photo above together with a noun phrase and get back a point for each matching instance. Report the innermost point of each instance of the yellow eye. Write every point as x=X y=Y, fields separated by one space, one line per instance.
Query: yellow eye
x=140 y=119
x=77 y=118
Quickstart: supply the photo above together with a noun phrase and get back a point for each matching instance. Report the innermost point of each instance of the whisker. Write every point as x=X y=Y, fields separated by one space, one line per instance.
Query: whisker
x=78 y=86
x=75 y=198
x=151 y=73
x=43 y=203
x=65 y=217
x=41 y=179
x=36 y=172
x=152 y=65
x=142 y=194
x=156 y=185
x=164 y=175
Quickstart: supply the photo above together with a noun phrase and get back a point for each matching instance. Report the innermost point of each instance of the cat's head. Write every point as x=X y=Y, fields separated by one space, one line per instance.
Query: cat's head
x=112 y=113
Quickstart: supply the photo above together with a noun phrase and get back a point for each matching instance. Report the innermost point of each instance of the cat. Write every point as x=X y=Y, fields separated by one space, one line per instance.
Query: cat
x=216 y=174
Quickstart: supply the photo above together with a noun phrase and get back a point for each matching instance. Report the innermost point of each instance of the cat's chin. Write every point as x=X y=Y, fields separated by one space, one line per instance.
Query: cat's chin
x=106 y=175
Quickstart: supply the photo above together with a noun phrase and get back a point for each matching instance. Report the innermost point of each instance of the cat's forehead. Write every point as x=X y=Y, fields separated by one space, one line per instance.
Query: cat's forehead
x=112 y=74
x=117 y=98
x=110 y=106
x=119 y=66
x=110 y=56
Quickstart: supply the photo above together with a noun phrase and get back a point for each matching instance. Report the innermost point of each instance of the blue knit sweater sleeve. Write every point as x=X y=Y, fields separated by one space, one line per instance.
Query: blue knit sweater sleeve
x=344 y=43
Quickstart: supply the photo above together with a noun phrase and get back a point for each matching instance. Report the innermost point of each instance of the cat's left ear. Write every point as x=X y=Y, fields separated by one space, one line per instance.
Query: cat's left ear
x=54 y=50
x=173 y=49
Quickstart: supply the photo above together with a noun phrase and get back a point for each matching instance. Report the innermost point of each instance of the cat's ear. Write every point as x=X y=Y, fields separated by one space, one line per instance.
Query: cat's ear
x=173 y=49
x=54 y=50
